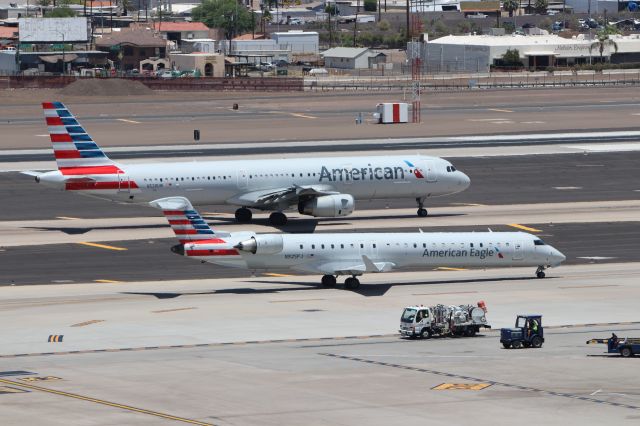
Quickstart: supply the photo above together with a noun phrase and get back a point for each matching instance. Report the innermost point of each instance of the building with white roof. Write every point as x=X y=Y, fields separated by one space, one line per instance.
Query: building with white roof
x=295 y=41
x=476 y=53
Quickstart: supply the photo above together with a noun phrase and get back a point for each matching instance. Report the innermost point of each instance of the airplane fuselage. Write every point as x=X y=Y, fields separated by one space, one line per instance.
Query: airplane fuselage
x=309 y=252
x=219 y=182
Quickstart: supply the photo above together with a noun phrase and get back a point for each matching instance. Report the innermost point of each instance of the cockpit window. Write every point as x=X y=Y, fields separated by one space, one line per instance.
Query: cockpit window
x=538 y=242
x=453 y=169
x=448 y=168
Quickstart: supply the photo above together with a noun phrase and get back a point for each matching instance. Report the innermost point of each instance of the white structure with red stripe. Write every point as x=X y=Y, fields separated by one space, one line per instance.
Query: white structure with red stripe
x=393 y=113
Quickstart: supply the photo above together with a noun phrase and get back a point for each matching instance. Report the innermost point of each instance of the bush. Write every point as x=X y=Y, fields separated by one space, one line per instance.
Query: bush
x=370 y=5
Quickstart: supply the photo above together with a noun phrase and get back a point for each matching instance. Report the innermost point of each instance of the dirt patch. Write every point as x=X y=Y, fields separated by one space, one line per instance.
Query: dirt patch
x=105 y=87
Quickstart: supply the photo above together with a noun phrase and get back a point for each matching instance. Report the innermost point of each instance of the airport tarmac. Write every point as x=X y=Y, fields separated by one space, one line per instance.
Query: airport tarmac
x=122 y=331
x=170 y=118
x=315 y=356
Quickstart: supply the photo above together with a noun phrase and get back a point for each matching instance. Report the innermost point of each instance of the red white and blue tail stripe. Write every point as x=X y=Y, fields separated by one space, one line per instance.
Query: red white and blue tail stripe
x=72 y=145
x=185 y=221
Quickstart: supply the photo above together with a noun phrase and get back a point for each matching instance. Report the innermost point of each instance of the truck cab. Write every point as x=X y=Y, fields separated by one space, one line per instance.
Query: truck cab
x=415 y=321
x=528 y=332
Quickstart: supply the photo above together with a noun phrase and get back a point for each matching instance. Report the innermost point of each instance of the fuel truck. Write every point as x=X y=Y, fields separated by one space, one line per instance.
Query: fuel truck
x=442 y=320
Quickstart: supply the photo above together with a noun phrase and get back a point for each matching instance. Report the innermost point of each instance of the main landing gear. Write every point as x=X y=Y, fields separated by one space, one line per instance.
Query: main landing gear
x=540 y=272
x=244 y=215
x=278 y=219
x=350 y=283
x=422 y=212
x=328 y=281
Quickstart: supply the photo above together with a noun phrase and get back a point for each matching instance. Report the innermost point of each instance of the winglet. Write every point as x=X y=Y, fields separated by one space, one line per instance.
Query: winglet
x=186 y=223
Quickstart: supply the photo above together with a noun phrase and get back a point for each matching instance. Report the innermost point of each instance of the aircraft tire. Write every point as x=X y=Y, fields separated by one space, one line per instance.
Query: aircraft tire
x=243 y=215
x=422 y=212
x=278 y=219
x=328 y=281
x=352 y=283
x=540 y=274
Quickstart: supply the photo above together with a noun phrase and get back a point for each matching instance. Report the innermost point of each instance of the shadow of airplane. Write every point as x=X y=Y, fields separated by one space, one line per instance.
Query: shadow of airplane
x=80 y=231
x=365 y=290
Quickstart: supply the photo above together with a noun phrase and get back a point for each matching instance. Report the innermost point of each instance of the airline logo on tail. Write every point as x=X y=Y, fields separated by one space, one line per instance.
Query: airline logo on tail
x=77 y=154
x=416 y=172
x=191 y=229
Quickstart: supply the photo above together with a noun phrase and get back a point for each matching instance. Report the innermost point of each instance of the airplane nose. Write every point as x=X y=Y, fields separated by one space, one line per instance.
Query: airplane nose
x=557 y=257
x=465 y=182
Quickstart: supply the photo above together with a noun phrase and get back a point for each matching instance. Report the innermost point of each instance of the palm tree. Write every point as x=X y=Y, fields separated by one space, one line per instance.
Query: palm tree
x=603 y=40
x=510 y=6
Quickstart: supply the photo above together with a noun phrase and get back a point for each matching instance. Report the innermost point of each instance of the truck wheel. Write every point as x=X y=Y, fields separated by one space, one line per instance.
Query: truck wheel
x=506 y=345
x=516 y=345
x=536 y=342
x=425 y=334
x=626 y=352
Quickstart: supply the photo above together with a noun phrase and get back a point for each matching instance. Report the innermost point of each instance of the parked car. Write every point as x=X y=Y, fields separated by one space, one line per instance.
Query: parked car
x=168 y=74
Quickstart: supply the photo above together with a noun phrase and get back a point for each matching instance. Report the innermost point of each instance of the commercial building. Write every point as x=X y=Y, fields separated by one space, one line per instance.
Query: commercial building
x=297 y=42
x=208 y=64
x=128 y=47
x=476 y=53
x=347 y=57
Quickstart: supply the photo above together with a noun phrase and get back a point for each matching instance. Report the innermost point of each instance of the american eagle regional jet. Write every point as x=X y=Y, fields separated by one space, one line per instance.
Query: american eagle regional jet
x=319 y=187
x=351 y=254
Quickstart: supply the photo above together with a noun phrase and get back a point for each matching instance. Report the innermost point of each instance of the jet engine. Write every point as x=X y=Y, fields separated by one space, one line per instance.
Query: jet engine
x=262 y=244
x=328 y=206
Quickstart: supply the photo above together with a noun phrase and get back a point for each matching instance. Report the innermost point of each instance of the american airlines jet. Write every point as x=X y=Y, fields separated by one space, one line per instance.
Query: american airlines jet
x=351 y=253
x=320 y=187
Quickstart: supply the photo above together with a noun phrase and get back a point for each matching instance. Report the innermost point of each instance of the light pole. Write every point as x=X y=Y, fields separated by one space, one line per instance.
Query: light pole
x=64 y=65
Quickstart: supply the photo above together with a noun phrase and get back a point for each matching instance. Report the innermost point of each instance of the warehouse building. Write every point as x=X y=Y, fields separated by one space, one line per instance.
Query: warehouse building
x=477 y=53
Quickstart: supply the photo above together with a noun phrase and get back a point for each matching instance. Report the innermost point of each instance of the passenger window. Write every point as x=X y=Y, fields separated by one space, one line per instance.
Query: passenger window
x=341 y=246
x=415 y=245
x=361 y=245
x=313 y=246
x=301 y=246
x=332 y=246
x=322 y=246
x=374 y=246
x=480 y=244
x=471 y=245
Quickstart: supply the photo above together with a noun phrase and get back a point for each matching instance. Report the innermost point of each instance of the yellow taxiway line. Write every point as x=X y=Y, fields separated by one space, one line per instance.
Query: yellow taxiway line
x=107 y=281
x=273 y=274
x=104 y=246
x=524 y=228
x=103 y=402
x=444 y=268
x=500 y=110
x=128 y=121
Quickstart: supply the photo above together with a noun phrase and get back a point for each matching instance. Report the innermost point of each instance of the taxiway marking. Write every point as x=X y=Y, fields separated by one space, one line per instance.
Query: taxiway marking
x=83 y=324
x=128 y=121
x=500 y=110
x=107 y=281
x=104 y=246
x=273 y=274
x=297 y=114
x=67 y=218
x=162 y=311
x=103 y=402
x=567 y=188
x=445 y=268
x=524 y=228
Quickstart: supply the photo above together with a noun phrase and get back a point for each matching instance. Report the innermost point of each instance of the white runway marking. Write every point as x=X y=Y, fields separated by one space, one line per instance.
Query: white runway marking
x=596 y=257
x=567 y=188
x=42 y=136
x=128 y=121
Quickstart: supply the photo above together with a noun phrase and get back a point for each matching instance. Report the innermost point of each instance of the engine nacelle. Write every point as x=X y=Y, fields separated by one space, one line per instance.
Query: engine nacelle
x=328 y=206
x=262 y=244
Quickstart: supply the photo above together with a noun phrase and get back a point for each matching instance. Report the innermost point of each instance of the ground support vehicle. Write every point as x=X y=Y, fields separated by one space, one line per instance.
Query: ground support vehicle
x=527 y=333
x=441 y=320
x=626 y=347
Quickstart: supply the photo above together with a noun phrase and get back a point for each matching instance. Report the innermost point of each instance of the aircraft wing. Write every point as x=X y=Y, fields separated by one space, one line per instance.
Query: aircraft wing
x=344 y=267
x=277 y=196
x=31 y=173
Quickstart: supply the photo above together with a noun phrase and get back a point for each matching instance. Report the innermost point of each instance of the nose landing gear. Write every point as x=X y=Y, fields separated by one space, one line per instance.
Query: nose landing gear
x=540 y=272
x=422 y=212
